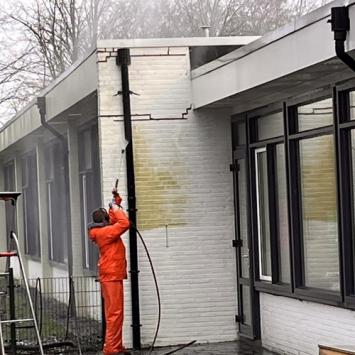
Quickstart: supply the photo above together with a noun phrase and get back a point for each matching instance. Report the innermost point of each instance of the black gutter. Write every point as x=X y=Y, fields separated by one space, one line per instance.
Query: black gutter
x=41 y=104
x=340 y=22
x=124 y=60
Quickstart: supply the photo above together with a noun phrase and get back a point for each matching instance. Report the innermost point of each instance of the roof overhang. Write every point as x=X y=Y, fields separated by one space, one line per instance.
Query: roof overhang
x=176 y=42
x=285 y=62
x=75 y=84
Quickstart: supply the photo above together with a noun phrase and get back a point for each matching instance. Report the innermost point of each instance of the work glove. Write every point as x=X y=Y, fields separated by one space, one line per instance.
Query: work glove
x=116 y=197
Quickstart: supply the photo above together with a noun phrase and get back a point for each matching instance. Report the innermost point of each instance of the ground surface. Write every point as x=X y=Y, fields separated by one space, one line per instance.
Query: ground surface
x=227 y=348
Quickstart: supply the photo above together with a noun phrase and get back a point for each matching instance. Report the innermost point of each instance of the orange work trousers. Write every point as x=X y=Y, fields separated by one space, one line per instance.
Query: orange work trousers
x=112 y=293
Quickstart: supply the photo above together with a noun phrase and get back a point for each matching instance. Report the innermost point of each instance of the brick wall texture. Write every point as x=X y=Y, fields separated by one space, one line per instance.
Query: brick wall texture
x=185 y=213
x=295 y=327
x=184 y=197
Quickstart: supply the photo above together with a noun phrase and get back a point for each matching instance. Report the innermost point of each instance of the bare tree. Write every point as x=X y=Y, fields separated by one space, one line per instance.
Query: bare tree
x=54 y=28
x=47 y=36
x=302 y=7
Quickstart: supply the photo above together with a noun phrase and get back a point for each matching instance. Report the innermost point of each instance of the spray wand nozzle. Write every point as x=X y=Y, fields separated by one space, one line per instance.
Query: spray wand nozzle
x=116 y=200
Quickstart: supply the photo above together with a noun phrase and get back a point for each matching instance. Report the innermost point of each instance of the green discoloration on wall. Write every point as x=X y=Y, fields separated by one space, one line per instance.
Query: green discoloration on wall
x=160 y=197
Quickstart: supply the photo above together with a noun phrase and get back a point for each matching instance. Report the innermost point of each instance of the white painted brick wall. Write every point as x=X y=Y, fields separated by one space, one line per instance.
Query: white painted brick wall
x=295 y=327
x=184 y=198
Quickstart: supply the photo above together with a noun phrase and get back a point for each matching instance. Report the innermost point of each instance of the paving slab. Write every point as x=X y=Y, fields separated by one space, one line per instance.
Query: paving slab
x=243 y=347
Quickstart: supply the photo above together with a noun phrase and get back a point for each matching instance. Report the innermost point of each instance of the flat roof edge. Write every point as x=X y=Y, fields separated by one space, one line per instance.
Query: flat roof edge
x=50 y=87
x=176 y=42
x=302 y=22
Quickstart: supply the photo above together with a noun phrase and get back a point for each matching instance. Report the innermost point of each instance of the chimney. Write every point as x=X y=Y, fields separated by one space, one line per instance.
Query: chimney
x=206 y=30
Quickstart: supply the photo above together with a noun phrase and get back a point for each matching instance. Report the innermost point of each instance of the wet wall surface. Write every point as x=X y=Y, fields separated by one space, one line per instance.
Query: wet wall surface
x=243 y=347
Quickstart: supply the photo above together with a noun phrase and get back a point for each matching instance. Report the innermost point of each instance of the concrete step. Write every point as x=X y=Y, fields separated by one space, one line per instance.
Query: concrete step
x=336 y=350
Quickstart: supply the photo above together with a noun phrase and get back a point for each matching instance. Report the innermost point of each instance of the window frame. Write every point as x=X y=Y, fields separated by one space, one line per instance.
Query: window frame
x=262 y=277
x=26 y=187
x=345 y=297
x=270 y=145
x=346 y=183
x=52 y=181
x=90 y=252
x=294 y=137
x=9 y=168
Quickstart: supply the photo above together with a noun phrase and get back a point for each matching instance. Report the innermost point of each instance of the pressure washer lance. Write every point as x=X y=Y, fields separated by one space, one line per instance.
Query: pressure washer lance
x=116 y=200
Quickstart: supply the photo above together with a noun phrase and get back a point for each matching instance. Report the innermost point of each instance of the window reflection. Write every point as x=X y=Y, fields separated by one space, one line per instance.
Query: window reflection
x=263 y=215
x=315 y=115
x=352 y=104
x=270 y=126
x=282 y=215
x=319 y=212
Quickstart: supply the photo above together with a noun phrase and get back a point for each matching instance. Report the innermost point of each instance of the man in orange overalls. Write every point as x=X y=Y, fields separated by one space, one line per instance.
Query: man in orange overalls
x=106 y=231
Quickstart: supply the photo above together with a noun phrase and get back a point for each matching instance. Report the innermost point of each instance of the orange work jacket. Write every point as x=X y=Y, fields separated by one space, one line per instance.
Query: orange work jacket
x=112 y=262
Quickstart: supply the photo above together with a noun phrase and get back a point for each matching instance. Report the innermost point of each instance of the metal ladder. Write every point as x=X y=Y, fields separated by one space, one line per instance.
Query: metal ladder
x=17 y=253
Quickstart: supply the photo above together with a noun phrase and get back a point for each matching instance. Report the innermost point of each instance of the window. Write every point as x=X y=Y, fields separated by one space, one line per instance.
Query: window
x=57 y=203
x=312 y=159
x=315 y=114
x=270 y=125
x=262 y=197
x=352 y=104
x=30 y=204
x=239 y=134
x=271 y=201
x=89 y=189
x=352 y=173
x=301 y=187
x=9 y=185
x=319 y=212
x=283 y=242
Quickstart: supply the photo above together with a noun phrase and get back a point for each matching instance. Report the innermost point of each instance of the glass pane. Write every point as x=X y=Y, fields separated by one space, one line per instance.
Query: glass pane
x=239 y=134
x=10 y=210
x=352 y=104
x=319 y=212
x=243 y=218
x=353 y=179
x=314 y=115
x=57 y=204
x=30 y=204
x=263 y=216
x=282 y=209
x=270 y=126
x=49 y=163
x=246 y=305
x=85 y=150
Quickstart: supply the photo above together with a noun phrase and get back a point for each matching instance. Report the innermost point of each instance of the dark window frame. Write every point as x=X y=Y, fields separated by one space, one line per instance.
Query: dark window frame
x=92 y=200
x=9 y=169
x=342 y=298
x=242 y=151
x=270 y=146
x=56 y=208
x=30 y=188
x=294 y=138
x=346 y=200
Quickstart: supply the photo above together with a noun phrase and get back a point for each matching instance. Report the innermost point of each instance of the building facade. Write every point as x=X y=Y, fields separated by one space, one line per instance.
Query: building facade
x=243 y=163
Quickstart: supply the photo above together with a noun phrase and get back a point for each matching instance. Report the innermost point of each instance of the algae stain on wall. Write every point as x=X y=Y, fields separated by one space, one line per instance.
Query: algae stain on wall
x=160 y=197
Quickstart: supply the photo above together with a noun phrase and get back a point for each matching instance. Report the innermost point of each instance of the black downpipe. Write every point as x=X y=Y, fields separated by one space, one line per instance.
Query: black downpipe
x=41 y=103
x=340 y=22
x=124 y=60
